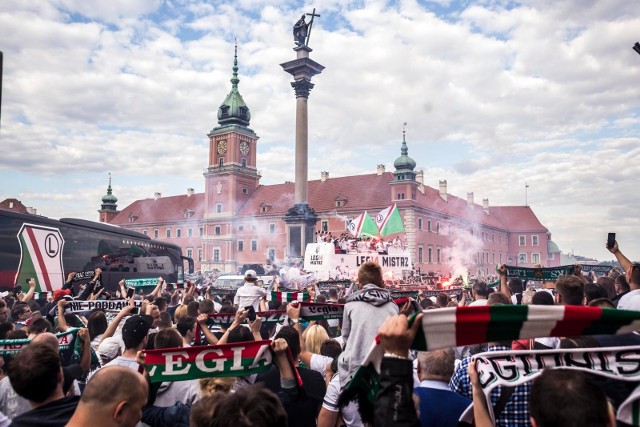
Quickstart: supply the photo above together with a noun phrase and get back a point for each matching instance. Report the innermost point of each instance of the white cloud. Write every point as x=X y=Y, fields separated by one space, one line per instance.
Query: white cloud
x=543 y=92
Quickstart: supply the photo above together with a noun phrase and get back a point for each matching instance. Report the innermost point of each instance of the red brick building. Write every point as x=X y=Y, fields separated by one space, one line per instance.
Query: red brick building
x=238 y=221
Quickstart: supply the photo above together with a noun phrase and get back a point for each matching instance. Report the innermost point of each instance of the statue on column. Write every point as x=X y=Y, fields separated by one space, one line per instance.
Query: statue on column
x=300 y=32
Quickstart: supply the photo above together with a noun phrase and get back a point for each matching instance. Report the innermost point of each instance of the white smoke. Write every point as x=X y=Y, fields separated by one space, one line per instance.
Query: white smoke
x=460 y=256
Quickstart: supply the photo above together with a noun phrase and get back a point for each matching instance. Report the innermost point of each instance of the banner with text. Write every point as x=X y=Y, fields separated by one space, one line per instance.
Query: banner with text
x=226 y=360
x=65 y=341
x=508 y=368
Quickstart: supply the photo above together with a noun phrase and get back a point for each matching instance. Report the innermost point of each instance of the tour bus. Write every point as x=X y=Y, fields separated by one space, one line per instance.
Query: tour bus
x=33 y=246
x=322 y=260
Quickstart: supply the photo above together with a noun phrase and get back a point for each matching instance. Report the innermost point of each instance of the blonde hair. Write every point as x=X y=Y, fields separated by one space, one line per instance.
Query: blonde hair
x=209 y=386
x=315 y=336
x=181 y=311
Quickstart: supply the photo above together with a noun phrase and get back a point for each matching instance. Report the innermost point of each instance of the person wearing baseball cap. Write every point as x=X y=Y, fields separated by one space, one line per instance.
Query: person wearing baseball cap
x=250 y=294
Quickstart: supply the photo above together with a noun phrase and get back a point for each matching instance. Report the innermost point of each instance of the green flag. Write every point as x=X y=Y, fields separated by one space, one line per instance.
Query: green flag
x=363 y=225
x=389 y=221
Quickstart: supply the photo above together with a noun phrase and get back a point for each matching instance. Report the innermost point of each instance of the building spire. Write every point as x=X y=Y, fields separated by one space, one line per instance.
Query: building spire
x=233 y=110
x=404 y=150
x=235 y=80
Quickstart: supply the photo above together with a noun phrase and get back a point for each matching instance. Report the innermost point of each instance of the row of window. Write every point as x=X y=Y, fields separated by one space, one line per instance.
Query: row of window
x=156 y=232
x=217 y=230
x=271 y=254
x=482 y=257
x=522 y=240
x=522 y=258
x=430 y=228
x=221 y=162
x=438 y=258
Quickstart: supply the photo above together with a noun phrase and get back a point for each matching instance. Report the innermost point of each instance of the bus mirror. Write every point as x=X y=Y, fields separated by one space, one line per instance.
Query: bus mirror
x=190 y=261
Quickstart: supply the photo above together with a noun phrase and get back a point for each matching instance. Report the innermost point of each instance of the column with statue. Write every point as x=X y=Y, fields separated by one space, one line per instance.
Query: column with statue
x=301 y=218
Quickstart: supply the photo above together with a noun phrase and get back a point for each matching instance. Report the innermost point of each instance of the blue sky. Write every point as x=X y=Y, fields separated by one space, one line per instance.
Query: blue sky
x=495 y=94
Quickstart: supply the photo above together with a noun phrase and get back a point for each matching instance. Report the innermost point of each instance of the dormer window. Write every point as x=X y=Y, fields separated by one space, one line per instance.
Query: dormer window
x=340 y=201
x=264 y=207
x=188 y=213
x=224 y=110
x=243 y=112
x=132 y=217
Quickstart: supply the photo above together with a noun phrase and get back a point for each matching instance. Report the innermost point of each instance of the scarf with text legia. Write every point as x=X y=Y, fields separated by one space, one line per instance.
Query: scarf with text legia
x=226 y=360
x=458 y=326
x=65 y=341
x=508 y=368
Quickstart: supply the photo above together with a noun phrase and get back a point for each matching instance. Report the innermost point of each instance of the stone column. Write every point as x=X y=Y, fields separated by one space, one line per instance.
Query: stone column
x=300 y=218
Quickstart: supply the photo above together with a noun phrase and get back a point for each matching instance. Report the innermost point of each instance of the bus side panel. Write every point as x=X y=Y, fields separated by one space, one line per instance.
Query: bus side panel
x=9 y=252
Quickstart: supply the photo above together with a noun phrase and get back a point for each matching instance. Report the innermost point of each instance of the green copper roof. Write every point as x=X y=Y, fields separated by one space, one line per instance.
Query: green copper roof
x=109 y=200
x=552 y=247
x=233 y=110
x=404 y=162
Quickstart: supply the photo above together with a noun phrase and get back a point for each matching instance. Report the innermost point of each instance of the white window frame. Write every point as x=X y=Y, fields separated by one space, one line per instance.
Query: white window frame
x=522 y=240
x=533 y=258
x=521 y=256
x=535 y=240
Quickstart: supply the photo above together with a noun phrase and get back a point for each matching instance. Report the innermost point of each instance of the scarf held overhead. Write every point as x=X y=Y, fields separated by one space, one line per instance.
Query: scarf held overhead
x=226 y=360
x=65 y=342
x=508 y=368
x=458 y=326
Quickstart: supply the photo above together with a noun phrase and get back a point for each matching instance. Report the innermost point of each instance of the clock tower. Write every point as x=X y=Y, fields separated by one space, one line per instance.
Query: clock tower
x=231 y=175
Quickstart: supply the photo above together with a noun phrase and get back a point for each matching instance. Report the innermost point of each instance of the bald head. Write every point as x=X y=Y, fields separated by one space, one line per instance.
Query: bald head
x=115 y=396
x=113 y=384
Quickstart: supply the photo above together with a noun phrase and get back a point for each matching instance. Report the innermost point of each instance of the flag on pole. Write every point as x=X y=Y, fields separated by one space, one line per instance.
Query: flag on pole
x=389 y=221
x=363 y=225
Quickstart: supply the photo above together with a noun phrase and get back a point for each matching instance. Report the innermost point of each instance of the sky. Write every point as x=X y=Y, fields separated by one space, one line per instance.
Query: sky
x=497 y=95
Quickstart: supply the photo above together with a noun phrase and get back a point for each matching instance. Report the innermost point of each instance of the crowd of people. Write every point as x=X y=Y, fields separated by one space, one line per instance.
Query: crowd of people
x=103 y=378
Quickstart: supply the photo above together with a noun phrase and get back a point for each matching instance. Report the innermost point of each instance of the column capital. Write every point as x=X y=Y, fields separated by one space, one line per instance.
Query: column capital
x=302 y=88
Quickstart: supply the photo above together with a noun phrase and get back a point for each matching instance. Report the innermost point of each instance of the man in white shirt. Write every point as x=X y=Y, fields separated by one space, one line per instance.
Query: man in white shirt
x=250 y=294
x=480 y=292
x=134 y=336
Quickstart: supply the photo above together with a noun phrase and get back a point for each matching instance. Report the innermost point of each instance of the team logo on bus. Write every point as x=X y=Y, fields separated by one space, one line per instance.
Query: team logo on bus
x=41 y=256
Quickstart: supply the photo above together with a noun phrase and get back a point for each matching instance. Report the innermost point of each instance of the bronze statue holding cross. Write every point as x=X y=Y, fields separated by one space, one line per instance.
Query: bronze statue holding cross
x=302 y=30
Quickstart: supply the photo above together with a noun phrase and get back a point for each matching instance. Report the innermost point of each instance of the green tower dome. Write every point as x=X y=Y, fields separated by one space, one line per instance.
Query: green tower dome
x=404 y=163
x=234 y=111
x=109 y=200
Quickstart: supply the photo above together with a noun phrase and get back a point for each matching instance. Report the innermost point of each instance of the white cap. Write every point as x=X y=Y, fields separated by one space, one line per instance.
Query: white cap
x=250 y=274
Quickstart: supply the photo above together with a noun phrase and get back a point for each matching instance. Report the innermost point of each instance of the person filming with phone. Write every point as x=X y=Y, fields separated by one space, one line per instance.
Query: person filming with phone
x=631 y=300
x=250 y=293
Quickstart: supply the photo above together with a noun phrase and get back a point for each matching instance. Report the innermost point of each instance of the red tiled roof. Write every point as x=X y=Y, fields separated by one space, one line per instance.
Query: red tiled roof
x=163 y=209
x=361 y=192
x=13 y=205
x=518 y=218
